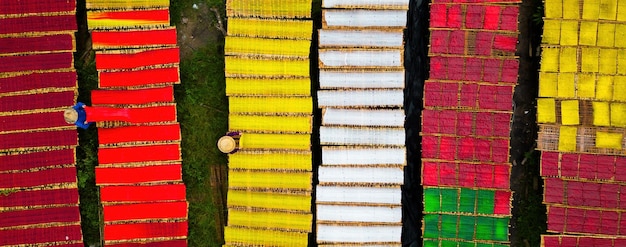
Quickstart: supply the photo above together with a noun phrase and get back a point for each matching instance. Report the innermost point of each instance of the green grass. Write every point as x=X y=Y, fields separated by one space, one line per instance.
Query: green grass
x=87 y=156
x=203 y=115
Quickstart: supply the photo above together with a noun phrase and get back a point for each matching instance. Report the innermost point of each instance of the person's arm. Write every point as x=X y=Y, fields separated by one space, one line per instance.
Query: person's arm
x=79 y=106
x=82 y=125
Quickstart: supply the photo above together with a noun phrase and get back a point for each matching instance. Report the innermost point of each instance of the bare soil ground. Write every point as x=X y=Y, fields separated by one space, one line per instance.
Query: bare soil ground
x=198 y=26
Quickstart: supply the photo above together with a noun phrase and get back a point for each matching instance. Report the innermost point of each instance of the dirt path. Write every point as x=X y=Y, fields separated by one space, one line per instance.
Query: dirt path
x=525 y=180
x=198 y=26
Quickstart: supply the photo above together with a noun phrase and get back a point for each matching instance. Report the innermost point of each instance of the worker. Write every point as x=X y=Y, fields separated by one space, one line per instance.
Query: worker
x=84 y=116
x=229 y=144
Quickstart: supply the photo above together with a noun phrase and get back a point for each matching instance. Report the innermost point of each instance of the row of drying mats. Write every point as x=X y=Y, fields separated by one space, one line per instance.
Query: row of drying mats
x=466 y=123
x=581 y=112
x=269 y=88
x=139 y=172
x=362 y=135
x=38 y=189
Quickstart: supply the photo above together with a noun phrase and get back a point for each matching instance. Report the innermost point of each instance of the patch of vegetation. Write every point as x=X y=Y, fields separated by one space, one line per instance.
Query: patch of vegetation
x=203 y=114
x=531 y=219
x=537 y=16
x=87 y=155
x=7 y=192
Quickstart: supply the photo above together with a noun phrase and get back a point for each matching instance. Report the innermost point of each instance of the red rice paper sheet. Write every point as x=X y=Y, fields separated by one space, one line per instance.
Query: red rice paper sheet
x=135 y=175
x=38 y=178
x=120 y=155
x=494 y=176
x=139 y=96
x=37 y=62
x=439 y=41
x=584 y=194
x=474 y=16
x=587 y=166
x=466 y=123
x=37 y=159
x=598 y=167
x=568 y=241
x=485 y=43
x=32 y=121
x=38 y=80
x=472 y=96
x=9 y=7
x=40 y=216
x=136 y=17
x=153 y=114
x=142 y=211
x=58 y=42
x=37 y=101
x=492 y=70
x=143 y=77
x=506 y=43
x=154 y=193
x=550 y=164
x=128 y=38
x=494 y=97
x=145 y=230
x=152 y=133
x=165 y=113
x=465 y=148
x=150 y=57
x=42 y=235
x=439 y=16
x=170 y=243
x=502 y=202
x=27 y=24
x=474 y=1
x=40 y=197
x=492 y=17
x=64 y=138
x=588 y=221
x=570 y=166
x=508 y=21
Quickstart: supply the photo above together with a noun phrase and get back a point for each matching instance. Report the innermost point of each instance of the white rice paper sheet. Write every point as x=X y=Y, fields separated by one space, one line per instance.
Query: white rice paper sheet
x=349 y=213
x=359 y=18
x=361 y=58
x=403 y=4
x=362 y=136
x=363 y=156
x=363 y=117
x=360 y=98
x=370 y=175
x=360 y=38
x=361 y=79
x=328 y=194
x=358 y=234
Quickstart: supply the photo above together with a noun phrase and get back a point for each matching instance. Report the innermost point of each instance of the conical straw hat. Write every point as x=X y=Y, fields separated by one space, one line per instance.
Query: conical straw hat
x=226 y=144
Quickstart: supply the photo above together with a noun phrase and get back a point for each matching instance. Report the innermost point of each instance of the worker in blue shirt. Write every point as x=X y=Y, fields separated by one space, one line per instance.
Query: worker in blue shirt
x=77 y=115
